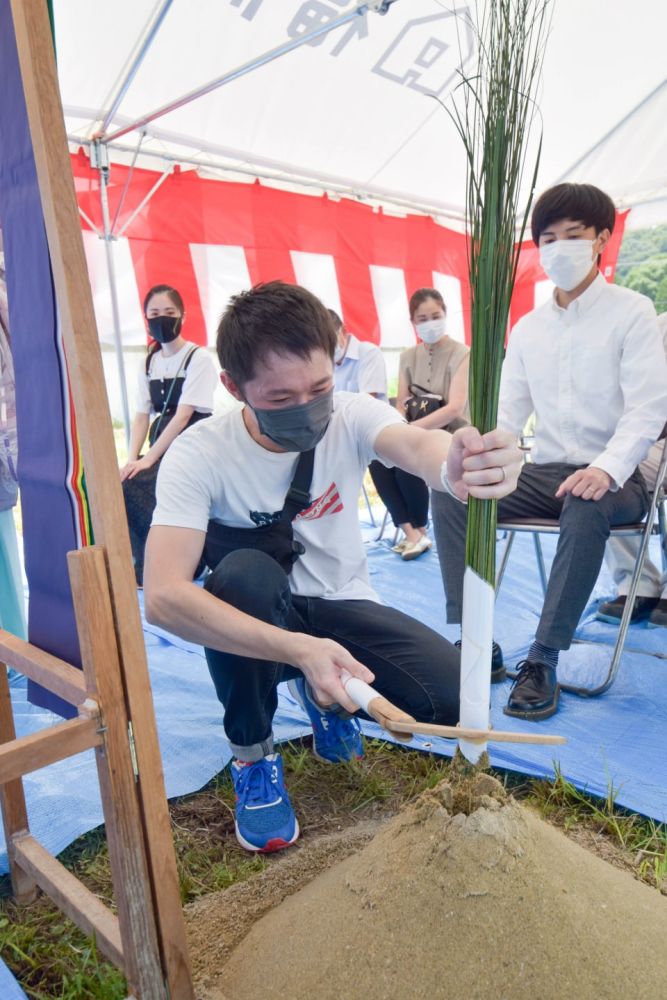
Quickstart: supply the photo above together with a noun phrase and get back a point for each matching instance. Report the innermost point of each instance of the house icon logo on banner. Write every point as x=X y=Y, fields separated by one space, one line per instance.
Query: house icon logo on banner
x=429 y=51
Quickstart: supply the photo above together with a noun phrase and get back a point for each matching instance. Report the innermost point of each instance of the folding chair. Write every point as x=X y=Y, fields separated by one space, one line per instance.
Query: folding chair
x=383 y=526
x=547 y=526
x=368 y=505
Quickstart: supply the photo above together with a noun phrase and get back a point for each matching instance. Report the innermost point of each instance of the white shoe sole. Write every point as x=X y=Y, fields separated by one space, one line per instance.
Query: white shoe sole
x=269 y=849
x=409 y=554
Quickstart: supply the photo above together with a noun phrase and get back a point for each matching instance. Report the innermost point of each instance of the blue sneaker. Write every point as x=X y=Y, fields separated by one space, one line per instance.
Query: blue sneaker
x=335 y=739
x=265 y=820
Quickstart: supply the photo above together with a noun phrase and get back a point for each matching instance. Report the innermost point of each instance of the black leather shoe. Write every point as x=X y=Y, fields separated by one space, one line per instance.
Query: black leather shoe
x=659 y=614
x=612 y=611
x=535 y=691
x=498 y=672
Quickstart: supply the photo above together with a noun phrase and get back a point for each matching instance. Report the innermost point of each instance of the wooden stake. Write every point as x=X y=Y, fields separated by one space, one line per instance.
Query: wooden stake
x=12 y=798
x=120 y=803
x=75 y=307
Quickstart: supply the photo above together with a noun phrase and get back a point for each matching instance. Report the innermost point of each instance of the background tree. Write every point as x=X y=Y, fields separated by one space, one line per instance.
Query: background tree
x=642 y=264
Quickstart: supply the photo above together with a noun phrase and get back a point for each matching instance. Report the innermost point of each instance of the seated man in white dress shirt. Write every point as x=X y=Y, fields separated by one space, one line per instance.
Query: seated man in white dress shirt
x=358 y=364
x=590 y=364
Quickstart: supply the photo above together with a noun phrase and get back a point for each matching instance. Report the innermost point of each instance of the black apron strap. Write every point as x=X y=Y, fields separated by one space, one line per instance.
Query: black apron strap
x=298 y=495
x=276 y=539
x=189 y=357
x=159 y=424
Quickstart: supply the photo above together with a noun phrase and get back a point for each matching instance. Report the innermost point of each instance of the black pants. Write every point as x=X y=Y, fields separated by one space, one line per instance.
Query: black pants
x=584 y=530
x=405 y=496
x=414 y=667
x=139 y=494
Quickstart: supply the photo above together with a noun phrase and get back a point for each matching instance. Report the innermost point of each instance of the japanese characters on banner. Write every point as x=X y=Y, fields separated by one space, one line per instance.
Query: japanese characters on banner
x=212 y=239
x=425 y=54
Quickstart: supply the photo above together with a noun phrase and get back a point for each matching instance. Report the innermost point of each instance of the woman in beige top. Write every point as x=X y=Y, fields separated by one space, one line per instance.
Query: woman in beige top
x=437 y=365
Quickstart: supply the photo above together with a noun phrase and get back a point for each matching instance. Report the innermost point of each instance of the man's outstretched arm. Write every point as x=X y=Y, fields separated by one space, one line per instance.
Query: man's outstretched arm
x=174 y=603
x=486 y=466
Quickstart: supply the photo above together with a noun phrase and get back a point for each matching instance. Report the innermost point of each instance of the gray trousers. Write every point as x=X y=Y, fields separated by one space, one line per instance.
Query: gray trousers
x=584 y=530
x=621 y=553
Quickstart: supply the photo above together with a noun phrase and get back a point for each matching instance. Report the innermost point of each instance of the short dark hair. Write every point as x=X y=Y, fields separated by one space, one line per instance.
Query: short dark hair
x=578 y=202
x=272 y=317
x=421 y=295
x=173 y=294
x=335 y=319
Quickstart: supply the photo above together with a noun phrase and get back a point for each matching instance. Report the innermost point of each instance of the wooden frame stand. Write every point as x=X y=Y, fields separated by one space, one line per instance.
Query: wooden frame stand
x=132 y=939
x=113 y=694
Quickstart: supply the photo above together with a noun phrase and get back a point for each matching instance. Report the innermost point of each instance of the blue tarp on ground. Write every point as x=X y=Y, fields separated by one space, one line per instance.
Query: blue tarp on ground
x=9 y=988
x=617 y=741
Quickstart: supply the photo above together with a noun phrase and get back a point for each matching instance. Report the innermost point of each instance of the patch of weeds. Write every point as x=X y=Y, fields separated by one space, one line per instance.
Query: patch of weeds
x=653 y=868
x=327 y=796
x=52 y=959
x=88 y=859
x=202 y=871
x=642 y=841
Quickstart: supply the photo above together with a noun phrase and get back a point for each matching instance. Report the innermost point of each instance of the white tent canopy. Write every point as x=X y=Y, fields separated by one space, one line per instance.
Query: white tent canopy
x=353 y=110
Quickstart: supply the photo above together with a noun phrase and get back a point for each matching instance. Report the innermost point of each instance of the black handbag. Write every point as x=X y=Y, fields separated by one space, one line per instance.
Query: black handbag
x=421 y=403
x=276 y=539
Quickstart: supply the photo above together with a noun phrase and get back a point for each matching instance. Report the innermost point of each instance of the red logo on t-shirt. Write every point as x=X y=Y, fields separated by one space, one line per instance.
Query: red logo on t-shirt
x=329 y=503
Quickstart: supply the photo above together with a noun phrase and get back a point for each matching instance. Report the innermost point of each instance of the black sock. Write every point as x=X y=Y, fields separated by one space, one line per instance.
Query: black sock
x=545 y=654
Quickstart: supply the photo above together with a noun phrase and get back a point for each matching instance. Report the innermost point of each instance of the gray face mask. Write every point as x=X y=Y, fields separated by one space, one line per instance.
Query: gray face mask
x=297 y=428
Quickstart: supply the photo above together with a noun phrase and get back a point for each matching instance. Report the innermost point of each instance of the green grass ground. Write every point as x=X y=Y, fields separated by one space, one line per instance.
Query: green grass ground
x=53 y=960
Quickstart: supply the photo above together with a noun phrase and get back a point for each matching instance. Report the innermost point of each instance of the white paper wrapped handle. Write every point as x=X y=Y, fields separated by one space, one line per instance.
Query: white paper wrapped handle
x=366 y=698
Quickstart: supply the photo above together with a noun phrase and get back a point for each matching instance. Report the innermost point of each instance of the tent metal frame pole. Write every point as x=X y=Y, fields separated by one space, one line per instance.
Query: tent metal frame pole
x=321 y=183
x=102 y=162
x=102 y=165
x=144 y=201
x=612 y=131
x=86 y=218
x=126 y=186
x=144 y=46
x=378 y=6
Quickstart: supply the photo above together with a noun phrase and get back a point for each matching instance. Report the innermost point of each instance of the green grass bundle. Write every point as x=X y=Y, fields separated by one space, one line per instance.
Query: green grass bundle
x=495 y=113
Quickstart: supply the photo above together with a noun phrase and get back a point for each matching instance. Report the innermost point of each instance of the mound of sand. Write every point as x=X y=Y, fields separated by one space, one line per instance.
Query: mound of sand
x=489 y=902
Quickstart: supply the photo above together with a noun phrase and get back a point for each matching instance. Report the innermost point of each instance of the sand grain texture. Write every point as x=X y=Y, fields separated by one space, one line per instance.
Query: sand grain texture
x=494 y=904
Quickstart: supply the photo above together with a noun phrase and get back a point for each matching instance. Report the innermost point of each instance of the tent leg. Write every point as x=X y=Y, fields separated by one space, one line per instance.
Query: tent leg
x=101 y=163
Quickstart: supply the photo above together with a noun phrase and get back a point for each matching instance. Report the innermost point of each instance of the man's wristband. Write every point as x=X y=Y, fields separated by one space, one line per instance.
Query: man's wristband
x=447 y=486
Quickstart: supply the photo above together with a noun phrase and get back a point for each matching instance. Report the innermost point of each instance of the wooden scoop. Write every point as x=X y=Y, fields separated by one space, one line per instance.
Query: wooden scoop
x=403 y=727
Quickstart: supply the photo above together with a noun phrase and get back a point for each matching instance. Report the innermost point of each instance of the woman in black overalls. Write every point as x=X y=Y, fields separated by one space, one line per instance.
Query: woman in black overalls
x=169 y=362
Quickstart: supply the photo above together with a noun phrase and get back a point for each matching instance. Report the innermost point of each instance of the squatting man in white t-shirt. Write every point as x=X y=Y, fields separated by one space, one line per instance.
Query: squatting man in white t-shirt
x=260 y=626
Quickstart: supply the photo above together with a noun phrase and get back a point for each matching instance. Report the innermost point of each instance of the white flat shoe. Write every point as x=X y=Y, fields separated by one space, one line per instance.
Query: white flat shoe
x=400 y=546
x=417 y=548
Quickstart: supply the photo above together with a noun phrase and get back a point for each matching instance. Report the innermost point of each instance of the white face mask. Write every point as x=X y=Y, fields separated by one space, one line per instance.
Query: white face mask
x=567 y=262
x=431 y=330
